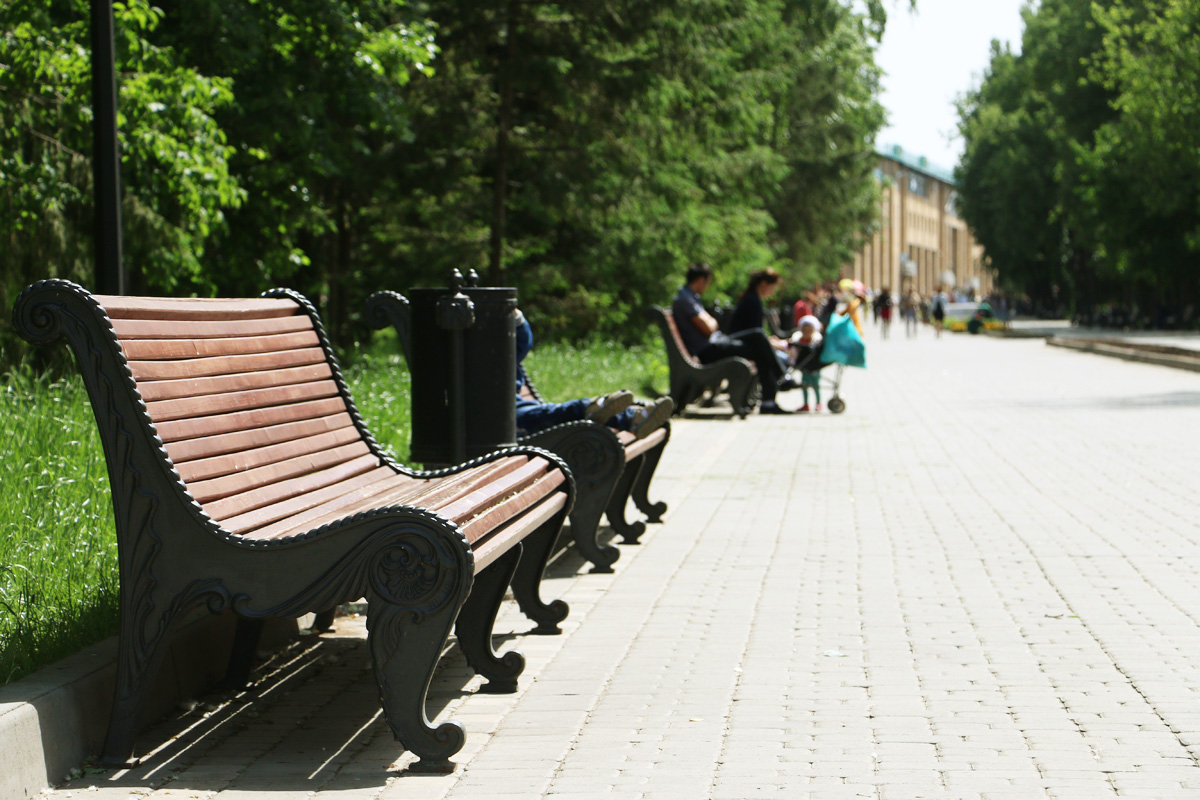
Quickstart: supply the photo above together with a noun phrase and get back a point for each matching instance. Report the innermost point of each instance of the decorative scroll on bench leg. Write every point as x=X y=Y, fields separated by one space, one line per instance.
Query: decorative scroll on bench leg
x=477 y=619
x=641 y=485
x=417 y=586
x=596 y=459
x=526 y=584
x=630 y=531
x=149 y=613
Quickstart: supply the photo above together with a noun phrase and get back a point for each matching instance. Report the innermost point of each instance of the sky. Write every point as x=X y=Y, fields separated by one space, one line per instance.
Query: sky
x=930 y=57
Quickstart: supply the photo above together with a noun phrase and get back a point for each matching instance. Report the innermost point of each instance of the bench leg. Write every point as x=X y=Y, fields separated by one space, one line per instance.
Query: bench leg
x=596 y=459
x=585 y=528
x=641 y=485
x=241 y=657
x=148 y=618
x=477 y=619
x=629 y=531
x=415 y=590
x=324 y=620
x=526 y=584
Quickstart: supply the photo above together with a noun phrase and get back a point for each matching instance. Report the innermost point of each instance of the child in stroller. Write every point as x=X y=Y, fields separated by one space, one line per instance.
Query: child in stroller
x=806 y=346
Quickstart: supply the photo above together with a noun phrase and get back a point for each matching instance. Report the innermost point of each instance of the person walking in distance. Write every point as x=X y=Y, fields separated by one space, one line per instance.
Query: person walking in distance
x=908 y=309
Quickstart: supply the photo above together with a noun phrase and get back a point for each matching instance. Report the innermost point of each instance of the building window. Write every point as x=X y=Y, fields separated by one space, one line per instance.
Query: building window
x=918 y=184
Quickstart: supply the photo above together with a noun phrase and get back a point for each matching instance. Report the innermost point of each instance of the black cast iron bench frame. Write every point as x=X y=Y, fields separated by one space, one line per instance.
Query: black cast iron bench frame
x=609 y=468
x=691 y=380
x=431 y=551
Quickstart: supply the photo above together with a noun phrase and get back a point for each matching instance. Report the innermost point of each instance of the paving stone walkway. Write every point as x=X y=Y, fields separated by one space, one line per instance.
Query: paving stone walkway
x=978 y=582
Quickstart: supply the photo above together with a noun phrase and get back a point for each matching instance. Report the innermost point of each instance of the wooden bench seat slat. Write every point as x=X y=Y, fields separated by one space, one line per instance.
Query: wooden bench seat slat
x=162 y=349
x=424 y=492
x=498 y=542
x=272 y=473
x=244 y=420
x=131 y=329
x=639 y=446
x=190 y=407
x=121 y=307
x=255 y=518
x=154 y=391
x=224 y=365
x=250 y=456
x=511 y=505
x=468 y=505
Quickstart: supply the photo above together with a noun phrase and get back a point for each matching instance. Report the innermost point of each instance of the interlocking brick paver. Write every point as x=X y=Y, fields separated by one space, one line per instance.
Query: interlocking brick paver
x=978 y=582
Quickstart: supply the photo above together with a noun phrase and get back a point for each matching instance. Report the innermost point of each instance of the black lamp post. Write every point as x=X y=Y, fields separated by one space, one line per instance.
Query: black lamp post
x=106 y=159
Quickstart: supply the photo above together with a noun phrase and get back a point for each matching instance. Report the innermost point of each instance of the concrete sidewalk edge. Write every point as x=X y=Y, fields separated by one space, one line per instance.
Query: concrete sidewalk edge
x=53 y=720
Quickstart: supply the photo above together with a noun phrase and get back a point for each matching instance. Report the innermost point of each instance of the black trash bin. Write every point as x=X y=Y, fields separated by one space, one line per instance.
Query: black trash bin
x=464 y=372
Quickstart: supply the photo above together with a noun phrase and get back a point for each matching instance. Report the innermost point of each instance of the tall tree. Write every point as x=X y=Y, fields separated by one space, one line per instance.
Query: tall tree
x=174 y=155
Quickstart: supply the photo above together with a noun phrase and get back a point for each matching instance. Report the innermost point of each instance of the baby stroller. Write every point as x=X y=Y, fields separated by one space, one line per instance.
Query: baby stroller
x=842 y=346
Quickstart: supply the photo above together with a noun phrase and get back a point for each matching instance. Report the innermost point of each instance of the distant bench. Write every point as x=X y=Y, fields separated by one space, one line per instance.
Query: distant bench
x=610 y=467
x=691 y=380
x=243 y=477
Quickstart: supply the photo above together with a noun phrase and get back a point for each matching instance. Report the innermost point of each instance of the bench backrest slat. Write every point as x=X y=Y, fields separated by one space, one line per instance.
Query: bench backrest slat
x=224 y=365
x=246 y=420
x=190 y=308
x=153 y=391
x=202 y=459
x=188 y=407
x=163 y=349
x=221 y=329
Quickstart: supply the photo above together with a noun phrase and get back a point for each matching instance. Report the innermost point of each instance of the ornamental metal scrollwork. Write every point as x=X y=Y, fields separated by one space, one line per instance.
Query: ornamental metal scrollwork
x=416 y=570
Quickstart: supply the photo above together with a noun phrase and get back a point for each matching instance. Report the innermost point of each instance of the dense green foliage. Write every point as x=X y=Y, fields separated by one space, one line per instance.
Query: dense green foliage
x=58 y=583
x=1081 y=175
x=582 y=150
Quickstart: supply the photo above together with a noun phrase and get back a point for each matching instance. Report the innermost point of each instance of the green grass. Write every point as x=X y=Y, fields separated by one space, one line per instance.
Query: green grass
x=58 y=551
x=58 y=548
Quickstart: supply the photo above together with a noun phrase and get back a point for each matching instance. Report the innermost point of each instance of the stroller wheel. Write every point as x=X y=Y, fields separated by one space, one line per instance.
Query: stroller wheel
x=836 y=405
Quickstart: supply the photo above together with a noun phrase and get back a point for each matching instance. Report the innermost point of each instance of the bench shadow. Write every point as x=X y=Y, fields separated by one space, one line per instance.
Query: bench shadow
x=311 y=721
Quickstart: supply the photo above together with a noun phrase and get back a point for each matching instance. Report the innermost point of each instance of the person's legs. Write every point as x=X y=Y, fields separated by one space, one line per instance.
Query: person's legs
x=533 y=416
x=753 y=346
x=811 y=380
x=603 y=408
x=643 y=420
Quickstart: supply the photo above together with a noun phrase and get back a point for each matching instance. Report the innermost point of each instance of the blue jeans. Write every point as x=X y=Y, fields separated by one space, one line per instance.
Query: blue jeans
x=533 y=416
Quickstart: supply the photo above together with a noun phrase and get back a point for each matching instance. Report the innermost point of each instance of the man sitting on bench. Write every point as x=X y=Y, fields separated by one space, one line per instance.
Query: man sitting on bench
x=616 y=409
x=708 y=344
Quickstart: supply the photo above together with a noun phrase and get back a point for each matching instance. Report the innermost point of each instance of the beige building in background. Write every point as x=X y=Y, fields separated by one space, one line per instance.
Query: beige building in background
x=921 y=241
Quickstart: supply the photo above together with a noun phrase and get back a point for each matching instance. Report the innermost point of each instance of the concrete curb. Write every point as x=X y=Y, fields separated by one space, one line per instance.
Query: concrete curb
x=54 y=719
x=1175 y=357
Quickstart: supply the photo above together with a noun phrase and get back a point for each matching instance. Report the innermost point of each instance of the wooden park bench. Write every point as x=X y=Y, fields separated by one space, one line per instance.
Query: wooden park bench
x=610 y=467
x=691 y=380
x=244 y=478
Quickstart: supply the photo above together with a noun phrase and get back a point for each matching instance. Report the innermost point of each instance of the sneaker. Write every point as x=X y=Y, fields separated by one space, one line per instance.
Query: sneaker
x=647 y=419
x=817 y=408
x=604 y=408
x=804 y=409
